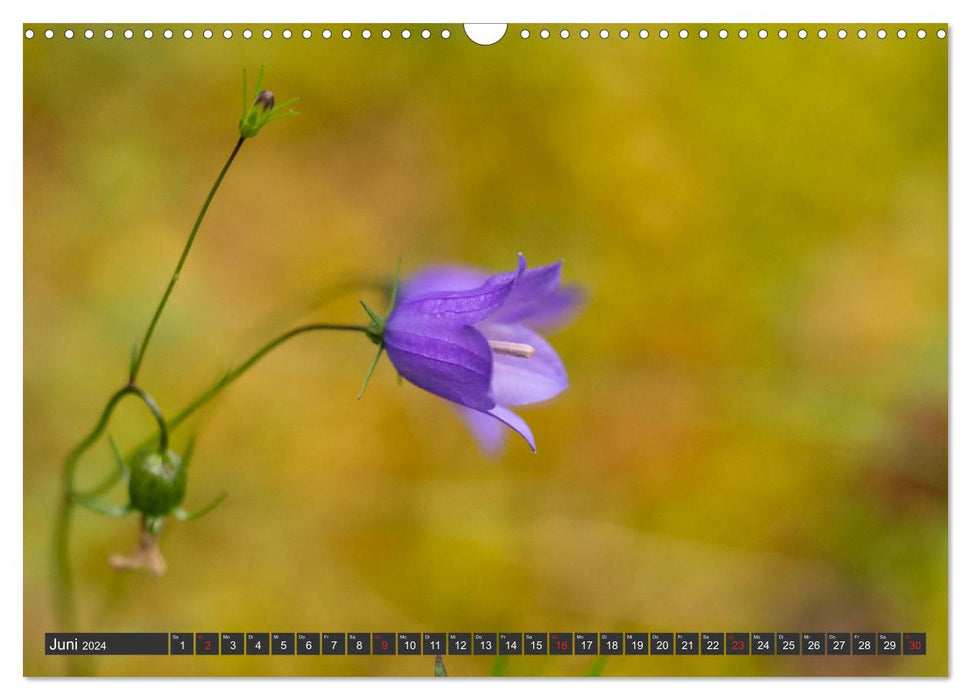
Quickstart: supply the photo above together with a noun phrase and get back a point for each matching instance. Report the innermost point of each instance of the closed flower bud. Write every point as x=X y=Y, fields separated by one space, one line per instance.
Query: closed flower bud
x=157 y=482
x=262 y=110
x=265 y=100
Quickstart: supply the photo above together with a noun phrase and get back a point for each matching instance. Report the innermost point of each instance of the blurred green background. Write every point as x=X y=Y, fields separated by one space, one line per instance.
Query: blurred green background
x=755 y=435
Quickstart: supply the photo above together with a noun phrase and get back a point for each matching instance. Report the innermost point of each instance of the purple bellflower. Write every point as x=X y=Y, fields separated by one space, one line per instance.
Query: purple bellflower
x=472 y=338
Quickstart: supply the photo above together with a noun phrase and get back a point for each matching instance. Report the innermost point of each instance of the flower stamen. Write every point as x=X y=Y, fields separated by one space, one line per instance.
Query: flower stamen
x=503 y=347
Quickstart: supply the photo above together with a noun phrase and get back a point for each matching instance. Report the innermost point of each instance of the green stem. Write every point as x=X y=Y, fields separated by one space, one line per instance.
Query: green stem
x=65 y=612
x=140 y=356
x=224 y=382
x=237 y=372
x=163 y=430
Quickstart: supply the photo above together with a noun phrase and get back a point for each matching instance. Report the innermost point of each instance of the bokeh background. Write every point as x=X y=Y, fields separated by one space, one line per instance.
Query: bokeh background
x=755 y=436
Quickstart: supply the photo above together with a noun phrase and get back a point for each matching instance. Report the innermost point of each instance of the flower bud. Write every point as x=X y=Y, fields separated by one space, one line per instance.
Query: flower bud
x=264 y=100
x=157 y=482
x=262 y=110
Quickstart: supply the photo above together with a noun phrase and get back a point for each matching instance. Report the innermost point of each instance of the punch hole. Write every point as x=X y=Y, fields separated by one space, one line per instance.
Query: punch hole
x=405 y=33
x=703 y=33
x=663 y=33
x=487 y=34
x=564 y=33
x=841 y=33
x=803 y=33
x=307 y=34
x=49 y=34
x=821 y=33
x=247 y=34
x=584 y=34
x=366 y=34
x=941 y=34
x=228 y=34
x=763 y=34
x=902 y=34
x=267 y=33
x=207 y=34
x=68 y=33
x=187 y=33
x=743 y=34
x=29 y=33
x=722 y=33
x=921 y=33
x=861 y=33
x=386 y=34
x=425 y=34
x=604 y=33
x=783 y=33
x=644 y=34
x=882 y=34
x=544 y=34
x=326 y=34
x=346 y=33
x=129 y=34
x=524 y=34
x=88 y=34
x=109 y=34
x=624 y=33
x=287 y=34
x=683 y=34
x=149 y=34
x=446 y=34
x=167 y=34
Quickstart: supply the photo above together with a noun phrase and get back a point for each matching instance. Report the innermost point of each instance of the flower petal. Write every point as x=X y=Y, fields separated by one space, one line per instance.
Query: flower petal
x=515 y=422
x=440 y=279
x=558 y=308
x=487 y=431
x=459 y=307
x=454 y=362
x=486 y=427
x=517 y=381
x=529 y=293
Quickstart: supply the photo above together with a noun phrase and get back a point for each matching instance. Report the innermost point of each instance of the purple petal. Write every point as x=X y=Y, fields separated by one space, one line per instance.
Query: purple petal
x=558 y=308
x=529 y=293
x=459 y=307
x=440 y=279
x=487 y=428
x=514 y=422
x=487 y=431
x=516 y=380
x=454 y=362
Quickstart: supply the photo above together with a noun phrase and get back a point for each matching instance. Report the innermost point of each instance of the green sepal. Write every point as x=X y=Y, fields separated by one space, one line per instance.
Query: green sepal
x=375 y=329
x=184 y=516
x=374 y=363
x=190 y=448
x=101 y=508
x=119 y=460
x=394 y=287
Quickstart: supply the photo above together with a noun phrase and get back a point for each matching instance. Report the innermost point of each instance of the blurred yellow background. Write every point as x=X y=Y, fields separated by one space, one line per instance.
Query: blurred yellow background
x=755 y=435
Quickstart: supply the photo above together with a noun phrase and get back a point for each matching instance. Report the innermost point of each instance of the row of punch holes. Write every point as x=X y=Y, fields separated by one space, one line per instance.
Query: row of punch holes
x=445 y=34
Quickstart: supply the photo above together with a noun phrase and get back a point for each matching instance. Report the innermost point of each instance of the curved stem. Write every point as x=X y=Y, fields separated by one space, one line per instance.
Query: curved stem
x=140 y=355
x=62 y=583
x=239 y=371
x=61 y=572
x=227 y=379
x=163 y=430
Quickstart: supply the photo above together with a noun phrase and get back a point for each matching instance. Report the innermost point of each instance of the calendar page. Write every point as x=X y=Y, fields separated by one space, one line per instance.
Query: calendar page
x=556 y=350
